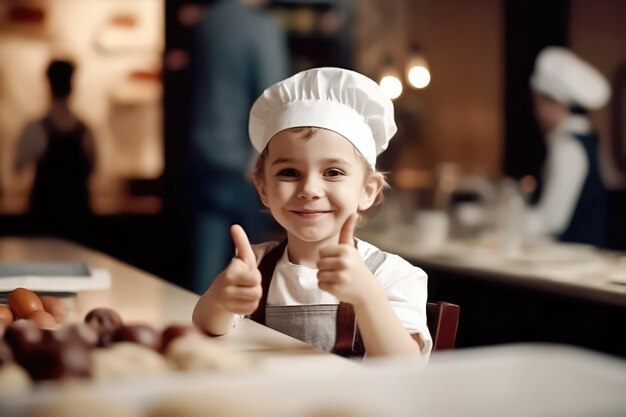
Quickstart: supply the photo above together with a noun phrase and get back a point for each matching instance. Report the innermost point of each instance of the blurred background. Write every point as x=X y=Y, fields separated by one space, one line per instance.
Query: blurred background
x=467 y=112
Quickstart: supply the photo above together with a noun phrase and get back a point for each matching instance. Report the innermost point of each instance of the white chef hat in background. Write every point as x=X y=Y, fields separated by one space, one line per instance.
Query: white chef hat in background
x=336 y=99
x=562 y=75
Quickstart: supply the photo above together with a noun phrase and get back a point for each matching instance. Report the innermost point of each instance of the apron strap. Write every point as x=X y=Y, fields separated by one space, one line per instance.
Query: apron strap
x=347 y=344
x=267 y=266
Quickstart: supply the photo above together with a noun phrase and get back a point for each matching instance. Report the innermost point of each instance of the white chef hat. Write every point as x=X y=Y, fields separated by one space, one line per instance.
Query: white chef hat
x=562 y=75
x=336 y=99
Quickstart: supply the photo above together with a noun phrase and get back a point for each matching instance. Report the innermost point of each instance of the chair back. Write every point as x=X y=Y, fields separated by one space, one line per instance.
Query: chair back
x=443 y=321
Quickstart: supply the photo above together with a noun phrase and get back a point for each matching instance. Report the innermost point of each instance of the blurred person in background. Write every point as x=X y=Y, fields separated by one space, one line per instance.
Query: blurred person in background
x=62 y=150
x=572 y=199
x=239 y=51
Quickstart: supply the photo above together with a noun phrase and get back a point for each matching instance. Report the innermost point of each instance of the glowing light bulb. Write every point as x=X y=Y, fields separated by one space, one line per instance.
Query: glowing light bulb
x=419 y=76
x=417 y=71
x=392 y=86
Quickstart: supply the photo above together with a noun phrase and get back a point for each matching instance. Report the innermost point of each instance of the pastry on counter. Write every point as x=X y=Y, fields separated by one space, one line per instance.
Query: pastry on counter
x=199 y=352
x=13 y=380
x=127 y=360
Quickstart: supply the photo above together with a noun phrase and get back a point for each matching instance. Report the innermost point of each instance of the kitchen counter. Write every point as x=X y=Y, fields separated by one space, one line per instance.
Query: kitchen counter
x=548 y=292
x=568 y=269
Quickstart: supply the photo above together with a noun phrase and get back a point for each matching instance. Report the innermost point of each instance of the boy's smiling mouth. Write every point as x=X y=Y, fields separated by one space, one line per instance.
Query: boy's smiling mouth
x=310 y=213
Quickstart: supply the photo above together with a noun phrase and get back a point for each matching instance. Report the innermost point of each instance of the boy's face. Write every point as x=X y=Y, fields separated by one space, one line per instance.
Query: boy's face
x=312 y=185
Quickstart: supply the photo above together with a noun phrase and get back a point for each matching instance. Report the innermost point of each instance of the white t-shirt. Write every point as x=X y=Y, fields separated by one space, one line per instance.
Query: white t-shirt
x=404 y=284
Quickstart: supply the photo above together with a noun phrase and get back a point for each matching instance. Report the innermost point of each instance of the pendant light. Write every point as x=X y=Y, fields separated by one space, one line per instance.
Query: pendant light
x=417 y=71
x=390 y=79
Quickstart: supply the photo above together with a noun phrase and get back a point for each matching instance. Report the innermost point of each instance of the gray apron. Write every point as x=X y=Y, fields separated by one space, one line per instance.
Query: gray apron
x=329 y=327
x=313 y=324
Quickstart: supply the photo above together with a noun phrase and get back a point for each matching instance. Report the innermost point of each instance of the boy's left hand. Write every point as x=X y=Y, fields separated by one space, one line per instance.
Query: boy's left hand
x=342 y=272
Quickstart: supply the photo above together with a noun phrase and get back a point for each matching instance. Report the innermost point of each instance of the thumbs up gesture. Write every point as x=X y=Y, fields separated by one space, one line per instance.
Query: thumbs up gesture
x=238 y=287
x=342 y=272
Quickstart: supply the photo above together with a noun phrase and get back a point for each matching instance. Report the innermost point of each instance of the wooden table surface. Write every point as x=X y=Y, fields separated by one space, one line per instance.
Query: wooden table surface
x=140 y=297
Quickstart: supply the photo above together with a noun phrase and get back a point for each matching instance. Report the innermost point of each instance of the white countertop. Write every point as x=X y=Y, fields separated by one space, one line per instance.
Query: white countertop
x=516 y=380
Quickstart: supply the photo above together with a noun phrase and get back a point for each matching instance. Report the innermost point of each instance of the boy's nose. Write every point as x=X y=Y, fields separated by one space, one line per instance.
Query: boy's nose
x=310 y=188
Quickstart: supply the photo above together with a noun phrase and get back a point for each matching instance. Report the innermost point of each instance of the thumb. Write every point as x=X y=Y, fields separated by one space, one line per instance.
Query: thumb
x=243 y=249
x=347 y=230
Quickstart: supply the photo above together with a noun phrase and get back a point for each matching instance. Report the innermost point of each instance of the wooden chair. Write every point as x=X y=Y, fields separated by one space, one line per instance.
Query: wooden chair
x=443 y=321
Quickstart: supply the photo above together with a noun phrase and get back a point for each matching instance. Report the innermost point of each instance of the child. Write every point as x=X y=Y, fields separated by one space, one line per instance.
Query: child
x=318 y=134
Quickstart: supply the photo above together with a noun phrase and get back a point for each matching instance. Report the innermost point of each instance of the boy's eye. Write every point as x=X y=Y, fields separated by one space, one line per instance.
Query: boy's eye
x=288 y=172
x=333 y=172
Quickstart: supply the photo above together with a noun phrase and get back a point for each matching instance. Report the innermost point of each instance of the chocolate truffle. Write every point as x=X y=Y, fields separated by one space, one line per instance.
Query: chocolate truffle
x=174 y=331
x=53 y=359
x=105 y=322
x=22 y=336
x=78 y=332
x=142 y=334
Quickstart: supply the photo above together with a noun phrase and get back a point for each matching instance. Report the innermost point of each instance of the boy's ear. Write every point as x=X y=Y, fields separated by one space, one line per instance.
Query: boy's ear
x=260 y=188
x=371 y=189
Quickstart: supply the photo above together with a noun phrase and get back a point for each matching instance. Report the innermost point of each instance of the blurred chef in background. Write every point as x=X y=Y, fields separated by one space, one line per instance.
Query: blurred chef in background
x=62 y=149
x=239 y=51
x=572 y=199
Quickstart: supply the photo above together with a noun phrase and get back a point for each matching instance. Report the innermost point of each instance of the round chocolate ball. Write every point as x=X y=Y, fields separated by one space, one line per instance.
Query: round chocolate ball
x=22 y=336
x=105 y=321
x=142 y=334
x=53 y=359
x=79 y=333
x=174 y=331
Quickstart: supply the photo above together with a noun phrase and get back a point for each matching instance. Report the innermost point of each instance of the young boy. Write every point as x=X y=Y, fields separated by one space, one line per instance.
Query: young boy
x=318 y=134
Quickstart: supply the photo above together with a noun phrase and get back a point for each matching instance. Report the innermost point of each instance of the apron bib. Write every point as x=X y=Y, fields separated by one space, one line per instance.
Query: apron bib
x=313 y=324
x=329 y=327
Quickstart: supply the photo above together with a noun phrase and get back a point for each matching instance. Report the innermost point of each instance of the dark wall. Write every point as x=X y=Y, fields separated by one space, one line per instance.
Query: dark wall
x=529 y=27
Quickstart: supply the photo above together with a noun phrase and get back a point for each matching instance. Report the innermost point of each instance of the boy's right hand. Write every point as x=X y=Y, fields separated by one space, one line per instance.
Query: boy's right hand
x=239 y=285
